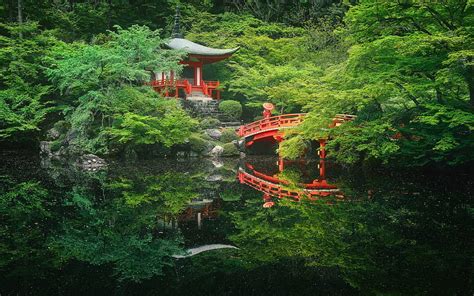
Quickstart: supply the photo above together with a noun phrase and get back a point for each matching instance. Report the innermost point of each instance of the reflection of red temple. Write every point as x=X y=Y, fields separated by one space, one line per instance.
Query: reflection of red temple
x=199 y=210
x=272 y=186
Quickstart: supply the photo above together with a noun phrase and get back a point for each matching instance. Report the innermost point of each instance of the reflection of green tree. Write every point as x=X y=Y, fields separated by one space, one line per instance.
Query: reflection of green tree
x=26 y=217
x=393 y=244
x=171 y=190
x=293 y=177
x=123 y=229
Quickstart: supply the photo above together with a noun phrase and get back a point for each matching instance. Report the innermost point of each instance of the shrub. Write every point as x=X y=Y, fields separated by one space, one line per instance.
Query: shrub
x=209 y=122
x=228 y=135
x=56 y=145
x=197 y=144
x=61 y=126
x=231 y=109
x=230 y=150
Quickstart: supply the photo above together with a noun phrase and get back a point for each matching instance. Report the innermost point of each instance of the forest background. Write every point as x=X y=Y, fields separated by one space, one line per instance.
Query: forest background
x=405 y=68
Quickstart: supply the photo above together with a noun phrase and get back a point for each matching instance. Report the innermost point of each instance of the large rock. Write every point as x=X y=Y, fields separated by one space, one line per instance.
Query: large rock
x=214 y=133
x=53 y=134
x=216 y=151
x=241 y=145
x=217 y=163
x=214 y=178
x=45 y=147
x=91 y=161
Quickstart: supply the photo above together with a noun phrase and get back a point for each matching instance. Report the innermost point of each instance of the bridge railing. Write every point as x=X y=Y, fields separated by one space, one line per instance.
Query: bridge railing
x=278 y=190
x=271 y=123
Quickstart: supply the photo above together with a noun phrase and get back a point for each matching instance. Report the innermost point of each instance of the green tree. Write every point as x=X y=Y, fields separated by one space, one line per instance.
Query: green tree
x=408 y=82
x=23 y=89
x=109 y=102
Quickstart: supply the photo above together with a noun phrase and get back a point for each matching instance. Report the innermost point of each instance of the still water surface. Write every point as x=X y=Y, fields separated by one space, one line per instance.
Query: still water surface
x=253 y=226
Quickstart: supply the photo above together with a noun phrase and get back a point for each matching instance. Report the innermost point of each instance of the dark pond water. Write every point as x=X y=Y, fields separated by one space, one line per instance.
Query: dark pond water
x=265 y=228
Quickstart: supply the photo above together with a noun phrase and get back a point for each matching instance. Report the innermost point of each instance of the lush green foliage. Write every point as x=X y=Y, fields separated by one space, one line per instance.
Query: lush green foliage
x=229 y=135
x=230 y=150
x=404 y=68
x=23 y=90
x=409 y=81
x=110 y=105
x=231 y=109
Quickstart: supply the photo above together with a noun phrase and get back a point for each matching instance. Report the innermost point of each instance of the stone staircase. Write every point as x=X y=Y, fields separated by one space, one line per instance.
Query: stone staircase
x=199 y=104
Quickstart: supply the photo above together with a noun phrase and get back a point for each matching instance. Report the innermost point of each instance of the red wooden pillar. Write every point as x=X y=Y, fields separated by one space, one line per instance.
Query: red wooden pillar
x=322 y=169
x=281 y=164
x=322 y=148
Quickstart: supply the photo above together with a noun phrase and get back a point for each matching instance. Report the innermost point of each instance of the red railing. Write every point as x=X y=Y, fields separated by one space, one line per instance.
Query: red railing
x=272 y=123
x=167 y=85
x=279 y=190
x=209 y=88
x=212 y=84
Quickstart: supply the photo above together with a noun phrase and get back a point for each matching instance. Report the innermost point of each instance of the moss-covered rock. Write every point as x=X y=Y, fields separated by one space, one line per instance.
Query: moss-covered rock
x=228 y=135
x=198 y=144
x=209 y=122
x=230 y=150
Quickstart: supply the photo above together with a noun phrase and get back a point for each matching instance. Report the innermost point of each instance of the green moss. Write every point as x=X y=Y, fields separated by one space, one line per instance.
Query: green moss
x=61 y=126
x=197 y=143
x=228 y=135
x=209 y=122
x=230 y=150
x=56 y=145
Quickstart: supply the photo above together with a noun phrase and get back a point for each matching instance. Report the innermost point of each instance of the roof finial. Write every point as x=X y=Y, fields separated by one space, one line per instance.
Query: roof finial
x=176 y=29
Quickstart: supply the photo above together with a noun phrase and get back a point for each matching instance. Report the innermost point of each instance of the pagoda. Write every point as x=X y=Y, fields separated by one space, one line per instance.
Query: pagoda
x=191 y=84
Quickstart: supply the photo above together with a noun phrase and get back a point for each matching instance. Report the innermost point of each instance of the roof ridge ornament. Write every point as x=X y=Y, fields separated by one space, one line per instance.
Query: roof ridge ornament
x=176 y=28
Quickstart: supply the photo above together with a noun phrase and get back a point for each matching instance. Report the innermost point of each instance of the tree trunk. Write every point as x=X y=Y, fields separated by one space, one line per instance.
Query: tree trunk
x=20 y=15
x=20 y=12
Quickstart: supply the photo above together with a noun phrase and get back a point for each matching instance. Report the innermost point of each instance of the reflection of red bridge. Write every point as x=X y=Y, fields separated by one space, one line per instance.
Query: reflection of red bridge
x=272 y=186
x=272 y=126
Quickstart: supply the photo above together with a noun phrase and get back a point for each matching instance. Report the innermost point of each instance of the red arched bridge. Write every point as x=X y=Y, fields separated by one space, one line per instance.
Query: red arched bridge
x=274 y=126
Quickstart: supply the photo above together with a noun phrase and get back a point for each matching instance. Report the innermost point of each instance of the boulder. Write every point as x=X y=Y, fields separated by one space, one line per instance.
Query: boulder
x=88 y=161
x=230 y=150
x=214 y=133
x=45 y=148
x=214 y=178
x=53 y=134
x=217 y=163
x=216 y=151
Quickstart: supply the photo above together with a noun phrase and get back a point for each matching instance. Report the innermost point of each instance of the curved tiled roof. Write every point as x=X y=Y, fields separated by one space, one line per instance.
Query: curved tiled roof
x=198 y=49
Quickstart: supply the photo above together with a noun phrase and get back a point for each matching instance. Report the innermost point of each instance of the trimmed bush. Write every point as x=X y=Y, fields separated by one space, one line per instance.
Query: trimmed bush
x=228 y=135
x=197 y=144
x=209 y=122
x=231 y=109
x=230 y=150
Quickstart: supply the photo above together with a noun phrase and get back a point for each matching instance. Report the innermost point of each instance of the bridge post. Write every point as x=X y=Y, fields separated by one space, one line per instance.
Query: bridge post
x=322 y=148
x=281 y=164
x=322 y=169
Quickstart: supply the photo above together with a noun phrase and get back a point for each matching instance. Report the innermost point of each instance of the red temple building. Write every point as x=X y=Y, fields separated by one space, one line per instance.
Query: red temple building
x=191 y=84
